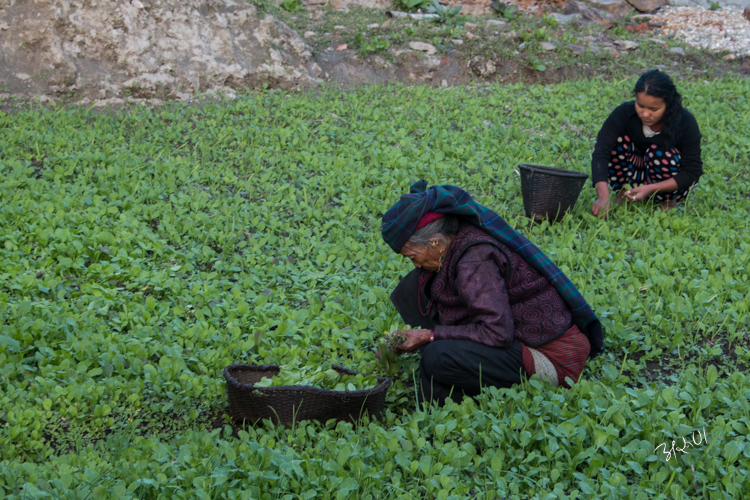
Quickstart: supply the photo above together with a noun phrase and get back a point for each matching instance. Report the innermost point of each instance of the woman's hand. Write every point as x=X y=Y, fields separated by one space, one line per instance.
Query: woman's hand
x=601 y=207
x=602 y=204
x=414 y=340
x=640 y=193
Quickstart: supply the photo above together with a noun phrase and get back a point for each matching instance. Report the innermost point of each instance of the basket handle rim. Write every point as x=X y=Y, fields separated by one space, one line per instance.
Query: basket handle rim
x=562 y=172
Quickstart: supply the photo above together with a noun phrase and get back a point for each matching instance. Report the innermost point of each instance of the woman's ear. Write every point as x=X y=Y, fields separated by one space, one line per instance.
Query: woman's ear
x=438 y=242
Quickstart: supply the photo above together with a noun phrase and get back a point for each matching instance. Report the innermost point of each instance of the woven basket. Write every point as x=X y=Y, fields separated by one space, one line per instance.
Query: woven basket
x=549 y=192
x=293 y=403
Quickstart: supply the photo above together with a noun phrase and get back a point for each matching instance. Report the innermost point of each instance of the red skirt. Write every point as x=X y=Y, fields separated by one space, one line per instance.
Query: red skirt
x=567 y=355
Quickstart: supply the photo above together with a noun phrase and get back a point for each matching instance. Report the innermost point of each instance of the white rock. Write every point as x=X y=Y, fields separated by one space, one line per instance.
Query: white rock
x=548 y=46
x=627 y=44
x=496 y=22
x=423 y=47
x=347 y=4
x=23 y=76
x=444 y=83
x=457 y=42
x=373 y=26
x=432 y=62
x=116 y=101
x=566 y=18
x=677 y=50
x=136 y=4
x=309 y=34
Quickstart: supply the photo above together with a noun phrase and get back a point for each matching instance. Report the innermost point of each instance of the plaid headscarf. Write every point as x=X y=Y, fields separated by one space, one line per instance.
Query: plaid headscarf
x=400 y=222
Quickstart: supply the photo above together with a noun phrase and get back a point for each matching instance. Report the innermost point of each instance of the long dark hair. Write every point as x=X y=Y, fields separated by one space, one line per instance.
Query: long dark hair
x=658 y=84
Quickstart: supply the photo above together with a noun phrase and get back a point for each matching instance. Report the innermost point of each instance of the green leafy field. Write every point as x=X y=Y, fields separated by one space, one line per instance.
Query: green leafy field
x=143 y=250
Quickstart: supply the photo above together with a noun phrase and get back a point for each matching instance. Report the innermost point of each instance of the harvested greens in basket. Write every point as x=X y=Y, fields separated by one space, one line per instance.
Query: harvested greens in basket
x=321 y=377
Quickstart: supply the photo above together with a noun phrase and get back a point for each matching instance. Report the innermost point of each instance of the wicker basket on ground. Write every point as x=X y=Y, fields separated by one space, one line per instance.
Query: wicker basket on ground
x=549 y=192
x=287 y=404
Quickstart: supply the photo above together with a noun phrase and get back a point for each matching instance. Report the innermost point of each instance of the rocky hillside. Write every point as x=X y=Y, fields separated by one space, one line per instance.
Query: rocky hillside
x=147 y=48
x=109 y=51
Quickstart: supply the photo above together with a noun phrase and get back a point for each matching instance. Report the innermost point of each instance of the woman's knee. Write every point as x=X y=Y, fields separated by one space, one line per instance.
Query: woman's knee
x=438 y=359
x=431 y=355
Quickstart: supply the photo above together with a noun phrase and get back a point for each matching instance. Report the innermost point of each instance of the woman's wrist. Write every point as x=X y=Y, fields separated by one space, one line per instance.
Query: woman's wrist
x=602 y=190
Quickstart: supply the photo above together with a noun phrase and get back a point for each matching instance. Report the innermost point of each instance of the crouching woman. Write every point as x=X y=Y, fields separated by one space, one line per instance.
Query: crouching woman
x=652 y=144
x=490 y=307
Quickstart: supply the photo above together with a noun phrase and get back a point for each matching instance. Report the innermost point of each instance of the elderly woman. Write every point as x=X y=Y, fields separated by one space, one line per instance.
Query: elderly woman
x=490 y=307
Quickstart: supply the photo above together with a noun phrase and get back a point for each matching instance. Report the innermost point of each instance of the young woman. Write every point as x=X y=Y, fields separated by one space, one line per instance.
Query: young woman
x=653 y=144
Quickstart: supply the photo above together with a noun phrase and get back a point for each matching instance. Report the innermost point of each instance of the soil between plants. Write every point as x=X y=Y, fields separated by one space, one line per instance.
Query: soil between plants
x=63 y=436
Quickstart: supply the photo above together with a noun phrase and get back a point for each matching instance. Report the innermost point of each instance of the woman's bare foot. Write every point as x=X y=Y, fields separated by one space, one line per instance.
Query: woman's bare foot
x=667 y=205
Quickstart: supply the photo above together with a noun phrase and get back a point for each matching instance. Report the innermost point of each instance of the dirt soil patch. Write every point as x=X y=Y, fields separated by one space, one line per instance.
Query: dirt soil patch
x=727 y=356
x=64 y=436
x=363 y=46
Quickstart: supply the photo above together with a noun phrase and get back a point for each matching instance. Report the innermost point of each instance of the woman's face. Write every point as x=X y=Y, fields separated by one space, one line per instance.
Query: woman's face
x=426 y=256
x=650 y=109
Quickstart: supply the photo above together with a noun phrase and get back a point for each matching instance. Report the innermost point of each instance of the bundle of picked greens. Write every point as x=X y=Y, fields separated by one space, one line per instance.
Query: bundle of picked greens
x=394 y=339
x=321 y=377
x=386 y=350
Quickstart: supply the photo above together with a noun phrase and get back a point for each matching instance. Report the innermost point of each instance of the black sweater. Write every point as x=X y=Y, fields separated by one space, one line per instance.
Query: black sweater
x=624 y=121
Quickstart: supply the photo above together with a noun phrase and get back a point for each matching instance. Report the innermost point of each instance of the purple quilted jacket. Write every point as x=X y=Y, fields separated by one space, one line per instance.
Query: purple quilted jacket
x=486 y=293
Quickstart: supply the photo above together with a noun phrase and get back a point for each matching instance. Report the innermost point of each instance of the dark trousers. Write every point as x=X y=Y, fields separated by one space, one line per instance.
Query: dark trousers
x=458 y=368
x=454 y=367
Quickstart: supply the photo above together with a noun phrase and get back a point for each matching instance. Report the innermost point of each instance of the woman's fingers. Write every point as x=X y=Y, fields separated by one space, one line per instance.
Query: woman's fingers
x=634 y=194
x=414 y=340
x=639 y=193
x=600 y=208
x=408 y=346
